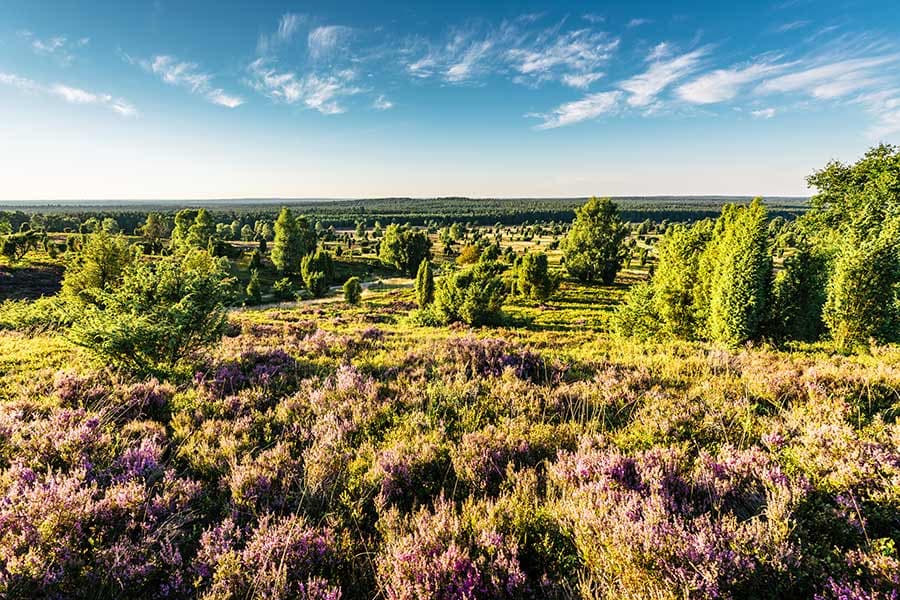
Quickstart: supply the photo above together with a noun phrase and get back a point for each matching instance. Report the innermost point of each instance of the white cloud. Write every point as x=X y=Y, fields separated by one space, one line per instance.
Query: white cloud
x=660 y=51
x=318 y=92
x=58 y=47
x=322 y=41
x=578 y=53
x=582 y=81
x=468 y=64
x=763 y=113
x=70 y=94
x=724 y=84
x=830 y=80
x=382 y=103
x=187 y=75
x=589 y=107
x=644 y=88
x=884 y=106
x=791 y=26
x=638 y=22
x=288 y=25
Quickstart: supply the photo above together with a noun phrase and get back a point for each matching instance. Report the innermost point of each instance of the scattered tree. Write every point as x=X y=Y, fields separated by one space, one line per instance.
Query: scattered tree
x=593 y=248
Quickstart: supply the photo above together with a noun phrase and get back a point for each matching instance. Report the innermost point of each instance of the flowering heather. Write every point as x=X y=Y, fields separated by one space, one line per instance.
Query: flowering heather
x=438 y=555
x=316 y=455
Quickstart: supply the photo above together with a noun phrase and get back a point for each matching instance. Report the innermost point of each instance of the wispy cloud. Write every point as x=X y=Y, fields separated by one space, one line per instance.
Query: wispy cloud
x=59 y=47
x=644 y=88
x=72 y=95
x=581 y=82
x=763 y=113
x=637 y=23
x=575 y=54
x=288 y=25
x=530 y=54
x=791 y=26
x=189 y=76
x=318 y=92
x=324 y=40
x=724 y=84
x=832 y=79
x=589 y=107
x=382 y=103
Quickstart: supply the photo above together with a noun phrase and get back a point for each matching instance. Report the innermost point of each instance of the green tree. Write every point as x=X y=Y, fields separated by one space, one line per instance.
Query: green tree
x=676 y=275
x=255 y=260
x=254 y=290
x=742 y=278
x=404 y=247
x=862 y=293
x=110 y=225
x=317 y=271
x=202 y=231
x=593 y=248
x=533 y=277
x=798 y=297
x=424 y=284
x=289 y=247
x=352 y=290
x=473 y=295
x=162 y=312
x=184 y=219
x=154 y=231
x=97 y=269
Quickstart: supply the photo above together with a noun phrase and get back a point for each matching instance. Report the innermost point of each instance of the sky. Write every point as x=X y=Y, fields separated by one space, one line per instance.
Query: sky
x=352 y=99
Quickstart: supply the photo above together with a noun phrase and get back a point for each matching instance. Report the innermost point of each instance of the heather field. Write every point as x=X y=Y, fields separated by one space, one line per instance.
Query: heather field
x=326 y=451
x=600 y=408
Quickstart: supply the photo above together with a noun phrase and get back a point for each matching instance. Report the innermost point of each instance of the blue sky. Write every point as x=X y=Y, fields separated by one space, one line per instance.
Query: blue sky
x=165 y=99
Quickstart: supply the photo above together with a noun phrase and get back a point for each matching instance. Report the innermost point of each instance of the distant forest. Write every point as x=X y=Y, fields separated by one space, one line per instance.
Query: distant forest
x=417 y=211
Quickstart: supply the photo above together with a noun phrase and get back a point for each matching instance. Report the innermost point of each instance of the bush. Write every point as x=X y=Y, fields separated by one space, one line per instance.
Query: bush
x=97 y=269
x=283 y=289
x=862 y=294
x=352 y=291
x=533 y=277
x=798 y=297
x=424 y=284
x=404 y=248
x=254 y=291
x=593 y=248
x=317 y=270
x=160 y=313
x=473 y=295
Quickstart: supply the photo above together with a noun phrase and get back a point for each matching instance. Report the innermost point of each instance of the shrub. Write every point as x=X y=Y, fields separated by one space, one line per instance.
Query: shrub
x=97 y=269
x=283 y=289
x=593 y=248
x=473 y=295
x=404 y=248
x=352 y=291
x=798 y=297
x=317 y=270
x=424 y=284
x=862 y=294
x=254 y=291
x=160 y=314
x=533 y=277
x=293 y=240
x=741 y=281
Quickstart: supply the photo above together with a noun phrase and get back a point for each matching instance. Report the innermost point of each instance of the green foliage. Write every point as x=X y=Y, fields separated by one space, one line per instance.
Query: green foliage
x=254 y=290
x=293 y=240
x=97 y=269
x=473 y=295
x=255 y=259
x=154 y=231
x=16 y=245
x=677 y=272
x=160 y=314
x=317 y=271
x=533 y=277
x=593 y=248
x=184 y=219
x=862 y=293
x=352 y=291
x=741 y=281
x=404 y=248
x=798 y=296
x=424 y=284
x=637 y=316
x=283 y=289
x=202 y=230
